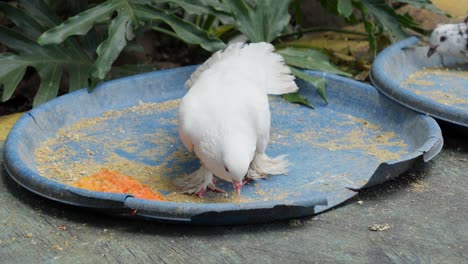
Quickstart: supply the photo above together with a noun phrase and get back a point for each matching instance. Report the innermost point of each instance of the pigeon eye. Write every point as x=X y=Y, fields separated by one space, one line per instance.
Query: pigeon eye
x=443 y=38
x=226 y=168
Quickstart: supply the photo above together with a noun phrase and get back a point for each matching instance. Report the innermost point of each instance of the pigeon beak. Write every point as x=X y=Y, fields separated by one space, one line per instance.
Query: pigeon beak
x=432 y=50
x=237 y=186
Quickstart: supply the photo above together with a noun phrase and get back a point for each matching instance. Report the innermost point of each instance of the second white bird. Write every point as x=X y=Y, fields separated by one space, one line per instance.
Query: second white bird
x=450 y=39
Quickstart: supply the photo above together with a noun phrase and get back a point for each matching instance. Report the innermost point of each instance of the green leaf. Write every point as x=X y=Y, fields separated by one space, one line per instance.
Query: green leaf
x=369 y=27
x=263 y=22
x=188 y=32
x=41 y=12
x=377 y=14
x=110 y=49
x=201 y=7
x=297 y=98
x=50 y=82
x=79 y=24
x=131 y=69
x=120 y=30
x=78 y=76
x=309 y=59
x=10 y=83
x=386 y=18
x=243 y=15
x=319 y=83
x=221 y=30
x=345 y=8
x=18 y=16
x=130 y=15
x=47 y=60
x=11 y=74
x=17 y=41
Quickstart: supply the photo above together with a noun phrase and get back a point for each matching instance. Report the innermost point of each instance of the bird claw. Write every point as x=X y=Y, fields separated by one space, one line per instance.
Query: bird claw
x=211 y=187
x=201 y=193
x=247 y=180
x=217 y=190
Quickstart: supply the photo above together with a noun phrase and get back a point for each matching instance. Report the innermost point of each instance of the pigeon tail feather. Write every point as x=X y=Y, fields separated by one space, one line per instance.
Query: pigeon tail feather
x=216 y=57
x=277 y=75
x=263 y=64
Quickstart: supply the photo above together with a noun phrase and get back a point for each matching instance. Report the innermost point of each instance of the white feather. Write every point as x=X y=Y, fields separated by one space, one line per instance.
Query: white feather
x=216 y=57
x=262 y=165
x=265 y=67
x=201 y=178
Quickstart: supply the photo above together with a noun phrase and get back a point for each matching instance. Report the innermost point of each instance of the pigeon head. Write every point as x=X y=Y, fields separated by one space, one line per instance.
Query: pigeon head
x=443 y=39
x=450 y=39
x=236 y=162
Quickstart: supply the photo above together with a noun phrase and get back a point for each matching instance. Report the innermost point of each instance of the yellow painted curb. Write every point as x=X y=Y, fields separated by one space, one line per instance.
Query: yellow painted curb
x=6 y=123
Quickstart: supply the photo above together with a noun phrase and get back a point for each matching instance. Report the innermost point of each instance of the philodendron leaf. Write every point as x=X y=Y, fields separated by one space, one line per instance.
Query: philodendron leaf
x=186 y=31
x=78 y=75
x=13 y=67
x=120 y=30
x=385 y=18
x=79 y=24
x=41 y=12
x=110 y=49
x=131 y=69
x=11 y=73
x=18 y=42
x=22 y=20
x=50 y=82
x=319 y=83
x=200 y=7
x=59 y=52
x=297 y=98
x=48 y=61
x=12 y=80
x=263 y=22
x=309 y=59
x=312 y=60
x=130 y=15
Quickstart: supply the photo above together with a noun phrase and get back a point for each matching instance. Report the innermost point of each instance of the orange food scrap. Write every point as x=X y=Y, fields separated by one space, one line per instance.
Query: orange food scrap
x=114 y=182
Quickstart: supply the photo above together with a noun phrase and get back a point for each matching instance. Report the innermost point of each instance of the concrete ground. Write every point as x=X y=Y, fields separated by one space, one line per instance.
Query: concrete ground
x=425 y=210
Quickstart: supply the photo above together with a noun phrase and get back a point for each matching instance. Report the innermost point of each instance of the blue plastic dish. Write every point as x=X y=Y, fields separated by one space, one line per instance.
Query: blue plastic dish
x=442 y=96
x=359 y=139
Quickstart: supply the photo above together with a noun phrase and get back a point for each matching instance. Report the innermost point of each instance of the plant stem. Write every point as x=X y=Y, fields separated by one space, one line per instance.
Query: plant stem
x=322 y=29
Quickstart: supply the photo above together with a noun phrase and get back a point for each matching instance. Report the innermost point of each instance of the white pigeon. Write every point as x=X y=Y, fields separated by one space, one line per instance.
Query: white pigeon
x=450 y=39
x=225 y=116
